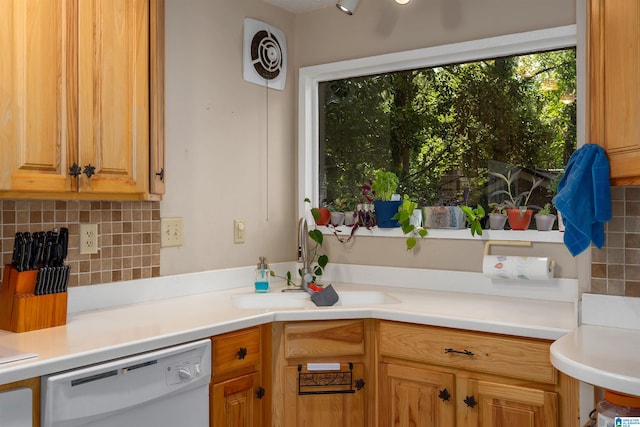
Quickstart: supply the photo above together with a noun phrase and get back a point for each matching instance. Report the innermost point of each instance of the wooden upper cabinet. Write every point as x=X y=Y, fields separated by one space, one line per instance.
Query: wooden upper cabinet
x=81 y=86
x=113 y=94
x=37 y=58
x=614 y=87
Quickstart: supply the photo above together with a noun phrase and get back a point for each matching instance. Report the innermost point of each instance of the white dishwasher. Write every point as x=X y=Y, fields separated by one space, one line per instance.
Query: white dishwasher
x=164 y=388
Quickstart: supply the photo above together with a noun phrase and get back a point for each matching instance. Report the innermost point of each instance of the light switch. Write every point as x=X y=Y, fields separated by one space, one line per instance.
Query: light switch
x=239 y=231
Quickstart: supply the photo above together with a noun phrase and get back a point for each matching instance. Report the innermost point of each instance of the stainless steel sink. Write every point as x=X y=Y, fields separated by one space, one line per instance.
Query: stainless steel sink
x=302 y=299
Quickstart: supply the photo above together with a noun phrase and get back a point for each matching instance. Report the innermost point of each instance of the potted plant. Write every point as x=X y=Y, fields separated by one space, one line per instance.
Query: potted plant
x=447 y=213
x=404 y=216
x=474 y=217
x=384 y=186
x=518 y=213
x=336 y=214
x=497 y=216
x=545 y=219
x=323 y=216
x=552 y=190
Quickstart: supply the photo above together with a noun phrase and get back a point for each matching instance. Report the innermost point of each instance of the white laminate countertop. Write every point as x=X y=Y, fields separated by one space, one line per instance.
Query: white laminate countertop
x=605 y=350
x=98 y=335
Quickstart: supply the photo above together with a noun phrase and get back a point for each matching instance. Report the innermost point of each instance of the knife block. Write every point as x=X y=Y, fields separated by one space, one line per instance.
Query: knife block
x=21 y=310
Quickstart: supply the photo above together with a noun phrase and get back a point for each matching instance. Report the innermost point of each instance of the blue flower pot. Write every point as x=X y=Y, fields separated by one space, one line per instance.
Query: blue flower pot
x=385 y=209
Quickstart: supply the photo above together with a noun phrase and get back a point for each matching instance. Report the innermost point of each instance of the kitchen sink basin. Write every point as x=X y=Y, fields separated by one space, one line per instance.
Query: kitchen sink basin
x=351 y=298
x=302 y=299
x=270 y=300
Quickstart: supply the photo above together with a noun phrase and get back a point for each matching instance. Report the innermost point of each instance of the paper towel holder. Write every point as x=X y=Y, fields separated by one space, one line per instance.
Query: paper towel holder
x=487 y=246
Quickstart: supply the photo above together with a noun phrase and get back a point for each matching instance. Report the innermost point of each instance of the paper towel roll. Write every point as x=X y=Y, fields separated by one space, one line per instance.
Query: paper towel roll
x=517 y=267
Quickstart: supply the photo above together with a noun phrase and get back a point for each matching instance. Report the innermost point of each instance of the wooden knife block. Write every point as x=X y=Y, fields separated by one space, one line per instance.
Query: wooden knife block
x=21 y=310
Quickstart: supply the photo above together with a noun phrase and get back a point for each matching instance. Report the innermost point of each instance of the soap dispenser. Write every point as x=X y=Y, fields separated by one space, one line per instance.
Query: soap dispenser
x=262 y=276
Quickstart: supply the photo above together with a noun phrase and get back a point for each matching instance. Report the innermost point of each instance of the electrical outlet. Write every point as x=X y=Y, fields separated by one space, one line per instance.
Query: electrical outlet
x=239 y=231
x=88 y=239
x=172 y=230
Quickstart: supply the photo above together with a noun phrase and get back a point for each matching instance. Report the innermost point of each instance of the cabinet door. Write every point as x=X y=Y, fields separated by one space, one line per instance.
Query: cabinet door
x=322 y=410
x=483 y=403
x=237 y=402
x=416 y=397
x=113 y=105
x=37 y=93
x=614 y=87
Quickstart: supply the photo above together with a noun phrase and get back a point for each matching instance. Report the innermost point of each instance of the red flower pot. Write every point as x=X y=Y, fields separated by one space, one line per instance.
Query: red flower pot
x=519 y=219
x=325 y=216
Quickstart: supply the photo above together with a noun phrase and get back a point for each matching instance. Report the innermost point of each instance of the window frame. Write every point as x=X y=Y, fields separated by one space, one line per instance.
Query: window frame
x=310 y=77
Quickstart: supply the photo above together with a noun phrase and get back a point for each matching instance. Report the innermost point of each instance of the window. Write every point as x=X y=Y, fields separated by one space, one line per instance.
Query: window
x=440 y=118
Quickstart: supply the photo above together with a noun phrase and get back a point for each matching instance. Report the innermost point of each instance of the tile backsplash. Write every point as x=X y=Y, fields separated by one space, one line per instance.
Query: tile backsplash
x=615 y=269
x=128 y=235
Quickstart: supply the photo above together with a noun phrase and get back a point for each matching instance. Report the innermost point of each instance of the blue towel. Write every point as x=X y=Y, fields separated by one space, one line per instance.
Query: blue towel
x=584 y=198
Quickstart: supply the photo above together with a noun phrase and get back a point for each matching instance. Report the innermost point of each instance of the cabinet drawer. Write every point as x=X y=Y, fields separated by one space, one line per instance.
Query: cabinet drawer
x=475 y=351
x=324 y=338
x=236 y=351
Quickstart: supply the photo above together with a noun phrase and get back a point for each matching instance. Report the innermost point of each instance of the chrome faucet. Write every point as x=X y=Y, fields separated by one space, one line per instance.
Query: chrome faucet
x=303 y=255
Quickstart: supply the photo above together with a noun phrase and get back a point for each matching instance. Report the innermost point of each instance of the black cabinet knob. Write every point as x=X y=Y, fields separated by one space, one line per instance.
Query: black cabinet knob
x=242 y=353
x=161 y=174
x=359 y=384
x=260 y=392
x=444 y=395
x=89 y=170
x=75 y=170
x=470 y=401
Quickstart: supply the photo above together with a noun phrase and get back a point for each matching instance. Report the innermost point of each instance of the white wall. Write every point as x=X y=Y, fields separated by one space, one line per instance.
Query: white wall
x=216 y=140
x=217 y=127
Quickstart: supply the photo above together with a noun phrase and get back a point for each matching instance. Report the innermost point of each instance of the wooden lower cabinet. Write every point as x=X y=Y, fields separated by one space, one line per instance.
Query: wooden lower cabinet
x=415 y=397
x=238 y=397
x=235 y=402
x=417 y=376
x=341 y=393
x=504 y=405
x=433 y=376
x=323 y=409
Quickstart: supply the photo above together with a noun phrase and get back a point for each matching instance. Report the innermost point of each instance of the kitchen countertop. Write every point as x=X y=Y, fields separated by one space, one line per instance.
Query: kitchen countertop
x=97 y=335
x=604 y=350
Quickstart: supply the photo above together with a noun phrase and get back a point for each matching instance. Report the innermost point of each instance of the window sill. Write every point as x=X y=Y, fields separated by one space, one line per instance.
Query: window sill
x=553 y=236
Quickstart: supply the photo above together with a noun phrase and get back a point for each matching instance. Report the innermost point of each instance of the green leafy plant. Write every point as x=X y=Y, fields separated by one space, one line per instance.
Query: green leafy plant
x=318 y=261
x=474 y=216
x=521 y=200
x=384 y=184
x=403 y=216
x=498 y=208
x=546 y=210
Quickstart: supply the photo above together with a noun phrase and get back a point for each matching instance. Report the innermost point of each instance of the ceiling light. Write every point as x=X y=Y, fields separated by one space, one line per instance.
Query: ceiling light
x=348 y=6
x=402 y=1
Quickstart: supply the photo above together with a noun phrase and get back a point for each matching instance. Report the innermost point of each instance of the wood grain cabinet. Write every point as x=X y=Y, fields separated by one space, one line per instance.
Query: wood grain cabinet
x=613 y=58
x=237 y=392
x=339 y=393
x=81 y=99
x=430 y=376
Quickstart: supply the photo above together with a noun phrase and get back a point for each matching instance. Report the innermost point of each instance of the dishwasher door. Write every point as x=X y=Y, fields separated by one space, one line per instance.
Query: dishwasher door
x=164 y=388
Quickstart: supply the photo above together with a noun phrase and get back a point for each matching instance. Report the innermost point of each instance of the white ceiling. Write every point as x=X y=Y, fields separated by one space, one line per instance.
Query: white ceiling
x=299 y=6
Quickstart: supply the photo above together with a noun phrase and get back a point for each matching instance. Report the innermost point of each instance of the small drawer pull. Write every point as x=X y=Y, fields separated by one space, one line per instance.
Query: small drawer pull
x=465 y=352
x=260 y=392
x=470 y=401
x=242 y=353
x=444 y=395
